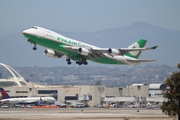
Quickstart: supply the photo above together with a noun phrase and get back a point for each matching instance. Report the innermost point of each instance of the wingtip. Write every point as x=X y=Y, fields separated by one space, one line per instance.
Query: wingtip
x=154 y=47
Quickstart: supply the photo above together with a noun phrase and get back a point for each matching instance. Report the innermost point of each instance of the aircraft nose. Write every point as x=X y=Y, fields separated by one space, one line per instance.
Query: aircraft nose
x=26 y=31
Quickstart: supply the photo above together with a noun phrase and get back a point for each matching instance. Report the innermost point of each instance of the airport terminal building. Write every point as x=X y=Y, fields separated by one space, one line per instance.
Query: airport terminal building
x=90 y=95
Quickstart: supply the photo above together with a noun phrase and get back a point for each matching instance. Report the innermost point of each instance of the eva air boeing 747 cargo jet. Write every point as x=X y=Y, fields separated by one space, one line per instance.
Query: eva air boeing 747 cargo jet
x=59 y=45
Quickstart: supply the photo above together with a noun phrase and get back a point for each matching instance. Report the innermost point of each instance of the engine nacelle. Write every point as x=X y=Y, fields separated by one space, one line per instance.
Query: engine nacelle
x=50 y=53
x=113 y=52
x=83 y=51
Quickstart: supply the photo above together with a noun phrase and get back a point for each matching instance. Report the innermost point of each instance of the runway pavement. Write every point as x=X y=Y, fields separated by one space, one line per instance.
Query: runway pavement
x=81 y=114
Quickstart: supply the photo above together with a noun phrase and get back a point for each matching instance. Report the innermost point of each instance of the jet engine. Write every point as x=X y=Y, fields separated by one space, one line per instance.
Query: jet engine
x=51 y=53
x=83 y=51
x=113 y=52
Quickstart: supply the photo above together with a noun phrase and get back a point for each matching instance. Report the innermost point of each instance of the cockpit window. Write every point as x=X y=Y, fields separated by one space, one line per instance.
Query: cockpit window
x=34 y=27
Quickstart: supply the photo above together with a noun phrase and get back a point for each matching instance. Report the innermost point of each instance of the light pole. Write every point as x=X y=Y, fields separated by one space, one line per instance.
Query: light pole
x=100 y=88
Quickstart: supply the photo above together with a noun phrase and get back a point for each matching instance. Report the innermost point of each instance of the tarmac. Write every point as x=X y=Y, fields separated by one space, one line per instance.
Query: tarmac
x=82 y=114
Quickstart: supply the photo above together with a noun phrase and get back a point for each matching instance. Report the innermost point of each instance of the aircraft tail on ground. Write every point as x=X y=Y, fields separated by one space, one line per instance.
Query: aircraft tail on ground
x=139 y=44
x=4 y=94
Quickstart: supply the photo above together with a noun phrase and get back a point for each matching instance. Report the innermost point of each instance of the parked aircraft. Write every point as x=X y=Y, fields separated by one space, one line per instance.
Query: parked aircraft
x=29 y=100
x=59 y=45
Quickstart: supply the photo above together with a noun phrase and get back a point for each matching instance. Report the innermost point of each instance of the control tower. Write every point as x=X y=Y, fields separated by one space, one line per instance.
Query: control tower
x=15 y=80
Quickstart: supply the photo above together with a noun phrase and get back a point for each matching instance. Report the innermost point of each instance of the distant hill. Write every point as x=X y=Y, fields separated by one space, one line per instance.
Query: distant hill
x=16 y=51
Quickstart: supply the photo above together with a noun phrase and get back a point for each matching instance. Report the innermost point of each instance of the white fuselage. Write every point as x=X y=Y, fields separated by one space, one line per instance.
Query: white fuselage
x=53 y=36
x=28 y=100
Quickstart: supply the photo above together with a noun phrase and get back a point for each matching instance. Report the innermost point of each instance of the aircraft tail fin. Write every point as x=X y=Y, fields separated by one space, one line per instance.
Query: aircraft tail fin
x=4 y=94
x=41 y=102
x=139 y=44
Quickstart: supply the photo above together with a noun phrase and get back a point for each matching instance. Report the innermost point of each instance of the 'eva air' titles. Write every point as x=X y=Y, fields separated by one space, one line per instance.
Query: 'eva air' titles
x=67 y=41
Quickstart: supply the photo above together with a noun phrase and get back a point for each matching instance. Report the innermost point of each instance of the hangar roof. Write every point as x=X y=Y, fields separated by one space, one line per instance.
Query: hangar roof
x=157 y=86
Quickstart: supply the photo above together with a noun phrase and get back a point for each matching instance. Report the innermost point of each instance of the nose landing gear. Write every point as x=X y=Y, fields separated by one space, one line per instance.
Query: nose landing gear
x=34 y=48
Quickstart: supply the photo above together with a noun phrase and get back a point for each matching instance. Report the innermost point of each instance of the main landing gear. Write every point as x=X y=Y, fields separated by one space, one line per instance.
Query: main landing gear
x=79 y=62
x=82 y=61
x=68 y=60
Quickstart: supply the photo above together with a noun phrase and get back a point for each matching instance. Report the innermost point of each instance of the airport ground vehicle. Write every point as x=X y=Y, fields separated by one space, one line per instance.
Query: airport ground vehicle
x=80 y=105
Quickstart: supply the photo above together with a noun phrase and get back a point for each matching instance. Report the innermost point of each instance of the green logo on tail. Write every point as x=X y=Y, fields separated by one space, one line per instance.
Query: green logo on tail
x=135 y=45
x=139 y=44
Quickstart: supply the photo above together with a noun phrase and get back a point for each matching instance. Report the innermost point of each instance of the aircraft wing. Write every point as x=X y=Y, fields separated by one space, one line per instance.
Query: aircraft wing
x=105 y=50
x=139 y=61
x=137 y=49
x=122 y=50
x=71 y=48
x=59 y=54
x=99 y=52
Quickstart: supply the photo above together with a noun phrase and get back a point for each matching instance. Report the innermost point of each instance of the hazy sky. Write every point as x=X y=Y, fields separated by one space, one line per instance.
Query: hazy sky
x=86 y=15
